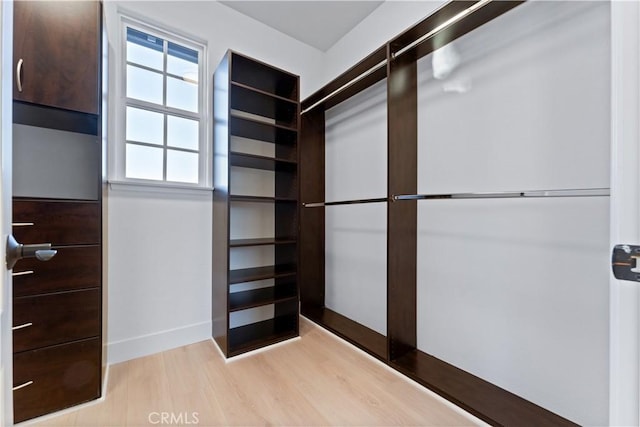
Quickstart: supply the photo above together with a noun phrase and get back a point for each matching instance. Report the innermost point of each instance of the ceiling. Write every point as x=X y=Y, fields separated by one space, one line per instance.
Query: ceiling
x=317 y=23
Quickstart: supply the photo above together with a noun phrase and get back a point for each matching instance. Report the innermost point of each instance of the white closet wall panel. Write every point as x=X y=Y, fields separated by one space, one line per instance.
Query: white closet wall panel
x=356 y=235
x=515 y=291
x=356 y=263
x=356 y=146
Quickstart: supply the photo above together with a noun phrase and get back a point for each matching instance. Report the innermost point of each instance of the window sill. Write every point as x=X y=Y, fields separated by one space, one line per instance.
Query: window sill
x=164 y=188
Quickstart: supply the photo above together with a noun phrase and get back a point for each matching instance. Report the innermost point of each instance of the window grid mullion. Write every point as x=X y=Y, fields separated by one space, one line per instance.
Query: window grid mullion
x=165 y=49
x=157 y=108
x=148 y=144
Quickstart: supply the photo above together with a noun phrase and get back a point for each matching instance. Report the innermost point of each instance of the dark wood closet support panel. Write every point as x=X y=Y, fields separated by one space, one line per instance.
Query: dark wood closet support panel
x=312 y=181
x=402 y=217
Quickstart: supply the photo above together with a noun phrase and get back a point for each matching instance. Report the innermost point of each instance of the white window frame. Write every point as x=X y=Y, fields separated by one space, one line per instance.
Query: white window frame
x=117 y=168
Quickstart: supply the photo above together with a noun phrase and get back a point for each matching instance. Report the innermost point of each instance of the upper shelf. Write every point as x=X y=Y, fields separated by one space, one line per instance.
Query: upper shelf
x=254 y=129
x=284 y=112
x=255 y=74
x=244 y=160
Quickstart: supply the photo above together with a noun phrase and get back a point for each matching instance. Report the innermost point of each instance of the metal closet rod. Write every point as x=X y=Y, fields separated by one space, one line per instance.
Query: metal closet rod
x=346 y=85
x=454 y=19
x=405 y=49
x=577 y=192
x=344 y=202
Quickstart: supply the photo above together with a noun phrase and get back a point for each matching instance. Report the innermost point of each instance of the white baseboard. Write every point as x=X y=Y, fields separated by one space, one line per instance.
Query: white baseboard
x=132 y=348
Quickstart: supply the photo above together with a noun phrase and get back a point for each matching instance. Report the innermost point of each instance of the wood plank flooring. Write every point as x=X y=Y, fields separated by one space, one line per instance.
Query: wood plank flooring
x=317 y=380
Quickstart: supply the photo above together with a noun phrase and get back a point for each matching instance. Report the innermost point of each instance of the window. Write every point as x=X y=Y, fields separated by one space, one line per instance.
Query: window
x=163 y=139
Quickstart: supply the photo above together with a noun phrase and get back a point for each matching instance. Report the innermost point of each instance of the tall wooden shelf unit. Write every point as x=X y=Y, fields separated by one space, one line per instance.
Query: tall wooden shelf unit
x=256 y=102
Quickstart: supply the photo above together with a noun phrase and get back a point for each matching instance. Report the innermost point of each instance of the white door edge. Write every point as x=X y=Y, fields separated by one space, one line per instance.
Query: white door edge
x=624 y=390
x=6 y=119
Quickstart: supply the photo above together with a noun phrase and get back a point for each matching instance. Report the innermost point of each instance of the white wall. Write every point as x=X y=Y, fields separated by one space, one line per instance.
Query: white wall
x=159 y=243
x=384 y=23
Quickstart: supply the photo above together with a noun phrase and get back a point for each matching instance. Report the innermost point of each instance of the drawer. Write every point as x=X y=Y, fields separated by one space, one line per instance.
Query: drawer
x=62 y=376
x=71 y=268
x=58 y=223
x=55 y=318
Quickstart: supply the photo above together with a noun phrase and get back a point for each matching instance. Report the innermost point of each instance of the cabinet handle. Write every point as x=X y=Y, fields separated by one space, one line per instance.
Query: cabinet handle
x=22 y=224
x=19 y=74
x=24 y=325
x=28 y=383
x=22 y=273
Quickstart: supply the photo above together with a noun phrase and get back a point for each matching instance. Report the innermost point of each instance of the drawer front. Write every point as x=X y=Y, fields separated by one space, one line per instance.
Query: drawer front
x=71 y=268
x=58 y=223
x=56 y=318
x=62 y=376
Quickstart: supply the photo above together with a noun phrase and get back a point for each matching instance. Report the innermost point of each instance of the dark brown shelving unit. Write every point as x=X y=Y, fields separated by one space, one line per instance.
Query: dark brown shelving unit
x=258 y=102
x=58 y=335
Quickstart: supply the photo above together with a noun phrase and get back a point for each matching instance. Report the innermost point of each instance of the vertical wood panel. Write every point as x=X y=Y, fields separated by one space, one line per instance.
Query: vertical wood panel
x=220 y=226
x=312 y=181
x=402 y=216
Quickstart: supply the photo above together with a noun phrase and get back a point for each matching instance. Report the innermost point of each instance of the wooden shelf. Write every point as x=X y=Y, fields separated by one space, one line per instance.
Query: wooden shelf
x=285 y=113
x=261 y=273
x=253 y=161
x=236 y=243
x=264 y=296
x=248 y=121
x=357 y=334
x=257 y=335
x=266 y=78
x=261 y=199
x=255 y=129
x=262 y=92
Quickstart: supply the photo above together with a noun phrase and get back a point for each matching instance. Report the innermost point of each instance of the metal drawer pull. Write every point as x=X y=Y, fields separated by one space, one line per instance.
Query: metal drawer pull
x=28 y=383
x=22 y=224
x=22 y=273
x=26 y=325
x=19 y=74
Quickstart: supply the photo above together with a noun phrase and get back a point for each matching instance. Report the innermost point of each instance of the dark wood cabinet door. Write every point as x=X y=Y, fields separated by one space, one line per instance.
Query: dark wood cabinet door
x=57 y=222
x=45 y=320
x=56 y=45
x=54 y=378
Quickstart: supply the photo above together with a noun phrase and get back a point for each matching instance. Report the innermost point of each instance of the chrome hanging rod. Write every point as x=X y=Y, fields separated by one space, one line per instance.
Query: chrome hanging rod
x=583 y=192
x=347 y=85
x=344 y=202
x=394 y=55
x=441 y=27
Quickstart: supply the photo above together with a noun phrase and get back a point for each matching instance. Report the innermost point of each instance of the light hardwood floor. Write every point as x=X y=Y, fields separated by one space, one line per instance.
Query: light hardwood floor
x=312 y=381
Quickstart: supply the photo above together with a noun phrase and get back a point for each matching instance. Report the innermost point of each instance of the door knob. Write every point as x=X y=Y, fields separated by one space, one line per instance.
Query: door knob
x=16 y=251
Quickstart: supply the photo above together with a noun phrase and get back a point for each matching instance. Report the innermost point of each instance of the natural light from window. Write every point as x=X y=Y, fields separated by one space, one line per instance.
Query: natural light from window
x=163 y=140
